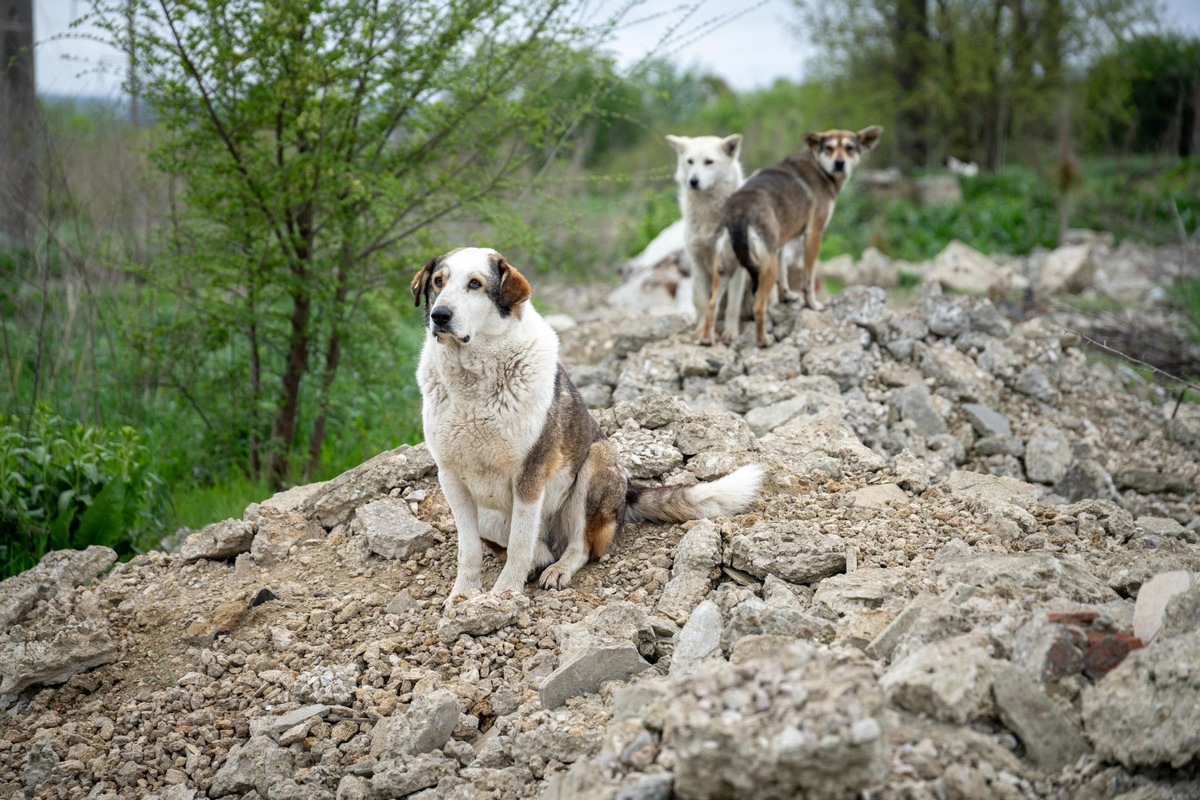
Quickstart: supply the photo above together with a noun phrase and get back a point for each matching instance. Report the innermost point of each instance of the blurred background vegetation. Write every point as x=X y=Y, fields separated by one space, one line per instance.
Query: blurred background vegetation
x=203 y=287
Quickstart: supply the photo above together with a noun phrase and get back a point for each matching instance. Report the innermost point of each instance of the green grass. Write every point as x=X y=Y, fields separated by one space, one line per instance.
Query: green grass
x=1016 y=210
x=197 y=505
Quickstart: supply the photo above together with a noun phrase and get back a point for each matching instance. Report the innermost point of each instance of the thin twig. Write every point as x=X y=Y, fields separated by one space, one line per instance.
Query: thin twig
x=1102 y=346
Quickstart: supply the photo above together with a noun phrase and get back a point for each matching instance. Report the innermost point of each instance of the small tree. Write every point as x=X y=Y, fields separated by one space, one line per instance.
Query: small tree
x=316 y=144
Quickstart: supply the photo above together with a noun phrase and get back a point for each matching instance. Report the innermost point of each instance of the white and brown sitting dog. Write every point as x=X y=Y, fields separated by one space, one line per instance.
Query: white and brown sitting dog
x=521 y=461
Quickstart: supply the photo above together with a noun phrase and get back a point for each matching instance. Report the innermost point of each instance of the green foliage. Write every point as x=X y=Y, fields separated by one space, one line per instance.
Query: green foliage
x=317 y=145
x=68 y=485
x=1013 y=211
x=982 y=81
x=1150 y=86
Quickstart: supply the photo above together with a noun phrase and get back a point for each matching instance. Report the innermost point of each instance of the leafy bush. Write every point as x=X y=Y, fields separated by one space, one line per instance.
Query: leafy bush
x=68 y=485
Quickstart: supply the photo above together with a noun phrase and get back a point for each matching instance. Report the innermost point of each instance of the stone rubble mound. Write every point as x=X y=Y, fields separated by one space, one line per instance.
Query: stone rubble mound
x=974 y=572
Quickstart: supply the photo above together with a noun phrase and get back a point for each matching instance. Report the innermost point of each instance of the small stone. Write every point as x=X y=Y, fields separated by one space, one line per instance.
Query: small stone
x=1152 y=600
x=879 y=497
x=986 y=421
x=699 y=639
x=218 y=541
x=403 y=777
x=915 y=404
x=1047 y=455
x=950 y=680
x=391 y=529
x=1051 y=732
x=1144 y=713
x=480 y=615
x=263 y=595
x=300 y=715
x=424 y=726
x=587 y=671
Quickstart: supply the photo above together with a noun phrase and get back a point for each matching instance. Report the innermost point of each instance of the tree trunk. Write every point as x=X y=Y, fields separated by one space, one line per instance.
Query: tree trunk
x=910 y=35
x=1193 y=141
x=333 y=355
x=19 y=126
x=287 y=416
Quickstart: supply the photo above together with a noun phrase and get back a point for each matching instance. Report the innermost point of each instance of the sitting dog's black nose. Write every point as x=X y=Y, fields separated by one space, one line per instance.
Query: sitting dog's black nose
x=839 y=165
x=441 y=316
x=695 y=182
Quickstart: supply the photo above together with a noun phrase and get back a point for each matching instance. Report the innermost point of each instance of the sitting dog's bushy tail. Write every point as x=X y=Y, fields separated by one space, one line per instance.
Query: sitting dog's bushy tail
x=726 y=495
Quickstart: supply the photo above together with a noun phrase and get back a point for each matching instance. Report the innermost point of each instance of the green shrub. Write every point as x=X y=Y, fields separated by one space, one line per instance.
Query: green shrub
x=68 y=485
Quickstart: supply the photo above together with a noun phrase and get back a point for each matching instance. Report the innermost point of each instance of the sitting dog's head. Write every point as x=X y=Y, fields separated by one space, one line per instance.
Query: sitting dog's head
x=704 y=162
x=468 y=292
x=838 y=152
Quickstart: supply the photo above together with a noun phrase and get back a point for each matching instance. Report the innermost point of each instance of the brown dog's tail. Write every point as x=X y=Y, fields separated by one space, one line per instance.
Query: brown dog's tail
x=739 y=237
x=727 y=495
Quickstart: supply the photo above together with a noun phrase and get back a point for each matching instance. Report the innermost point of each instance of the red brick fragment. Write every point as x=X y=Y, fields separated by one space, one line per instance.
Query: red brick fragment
x=1063 y=658
x=1081 y=617
x=1106 y=651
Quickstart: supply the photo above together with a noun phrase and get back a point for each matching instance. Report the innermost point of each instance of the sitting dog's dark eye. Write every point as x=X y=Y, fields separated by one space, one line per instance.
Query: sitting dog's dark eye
x=708 y=162
x=474 y=284
x=691 y=161
x=437 y=282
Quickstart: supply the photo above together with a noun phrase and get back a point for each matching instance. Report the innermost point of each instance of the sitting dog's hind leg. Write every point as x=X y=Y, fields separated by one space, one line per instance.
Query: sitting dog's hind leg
x=570 y=523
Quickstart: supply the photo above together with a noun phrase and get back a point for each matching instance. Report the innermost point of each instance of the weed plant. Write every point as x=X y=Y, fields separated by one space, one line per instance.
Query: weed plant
x=68 y=485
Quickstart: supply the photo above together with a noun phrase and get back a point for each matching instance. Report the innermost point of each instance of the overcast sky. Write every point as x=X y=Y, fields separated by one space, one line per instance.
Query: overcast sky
x=747 y=42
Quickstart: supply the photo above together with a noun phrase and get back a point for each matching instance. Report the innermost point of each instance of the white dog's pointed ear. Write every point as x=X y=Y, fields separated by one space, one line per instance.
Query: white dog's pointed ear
x=676 y=141
x=732 y=145
x=869 y=137
x=511 y=288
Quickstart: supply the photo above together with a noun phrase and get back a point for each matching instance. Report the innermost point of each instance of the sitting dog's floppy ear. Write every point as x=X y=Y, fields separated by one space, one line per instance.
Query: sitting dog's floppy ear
x=511 y=288
x=869 y=137
x=813 y=140
x=421 y=280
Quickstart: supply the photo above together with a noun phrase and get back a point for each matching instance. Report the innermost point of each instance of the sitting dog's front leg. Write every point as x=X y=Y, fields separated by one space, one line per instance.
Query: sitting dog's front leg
x=470 y=550
x=523 y=540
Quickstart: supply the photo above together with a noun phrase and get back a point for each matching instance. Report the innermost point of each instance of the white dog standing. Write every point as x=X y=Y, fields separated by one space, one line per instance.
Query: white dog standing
x=521 y=461
x=708 y=170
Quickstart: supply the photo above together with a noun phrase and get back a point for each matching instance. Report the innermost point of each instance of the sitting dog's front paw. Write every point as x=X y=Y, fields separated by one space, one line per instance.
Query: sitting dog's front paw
x=504 y=588
x=815 y=304
x=788 y=296
x=555 y=577
x=460 y=593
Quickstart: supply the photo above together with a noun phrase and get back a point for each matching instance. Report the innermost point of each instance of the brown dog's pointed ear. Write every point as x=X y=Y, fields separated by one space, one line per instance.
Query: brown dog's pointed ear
x=732 y=145
x=869 y=137
x=813 y=140
x=511 y=286
x=421 y=280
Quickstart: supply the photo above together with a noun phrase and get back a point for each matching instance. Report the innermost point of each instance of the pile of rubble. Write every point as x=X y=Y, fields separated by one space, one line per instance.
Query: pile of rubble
x=972 y=573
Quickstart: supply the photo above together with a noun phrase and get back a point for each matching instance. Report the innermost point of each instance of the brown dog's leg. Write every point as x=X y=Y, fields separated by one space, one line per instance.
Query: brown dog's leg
x=766 y=282
x=812 y=246
x=710 y=316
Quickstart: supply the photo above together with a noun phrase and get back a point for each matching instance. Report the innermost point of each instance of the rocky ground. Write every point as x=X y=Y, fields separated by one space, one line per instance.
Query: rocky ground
x=972 y=574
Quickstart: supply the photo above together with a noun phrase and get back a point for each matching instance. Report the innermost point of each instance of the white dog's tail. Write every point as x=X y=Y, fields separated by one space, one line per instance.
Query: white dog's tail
x=727 y=495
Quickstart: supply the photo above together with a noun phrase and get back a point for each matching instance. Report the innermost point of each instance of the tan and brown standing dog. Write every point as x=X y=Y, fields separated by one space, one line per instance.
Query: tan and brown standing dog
x=793 y=198
x=521 y=461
